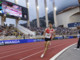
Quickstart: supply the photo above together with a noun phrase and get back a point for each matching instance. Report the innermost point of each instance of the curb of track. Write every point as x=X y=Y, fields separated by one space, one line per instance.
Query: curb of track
x=62 y=51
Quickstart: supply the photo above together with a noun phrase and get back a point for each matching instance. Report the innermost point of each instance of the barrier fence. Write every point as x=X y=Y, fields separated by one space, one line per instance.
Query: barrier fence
x=19 y=41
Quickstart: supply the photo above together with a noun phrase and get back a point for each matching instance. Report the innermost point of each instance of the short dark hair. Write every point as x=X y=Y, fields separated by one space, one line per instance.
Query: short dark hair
x=50 y=23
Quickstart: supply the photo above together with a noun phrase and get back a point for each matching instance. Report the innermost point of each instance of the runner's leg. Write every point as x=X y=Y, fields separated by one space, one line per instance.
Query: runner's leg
x=46 y=47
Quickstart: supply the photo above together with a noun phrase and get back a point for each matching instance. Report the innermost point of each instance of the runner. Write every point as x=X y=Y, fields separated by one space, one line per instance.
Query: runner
x=49 y=33
x=78 y=44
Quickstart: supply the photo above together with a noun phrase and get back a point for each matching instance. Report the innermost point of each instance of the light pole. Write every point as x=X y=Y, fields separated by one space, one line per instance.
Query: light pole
x=16 y=2
x=46 y=12
x=37 y=13
x=79 y=5
x=27 y=4
x=54 y=14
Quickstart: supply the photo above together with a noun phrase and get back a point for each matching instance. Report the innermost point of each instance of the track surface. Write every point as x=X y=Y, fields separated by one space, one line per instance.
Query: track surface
x=32 y=51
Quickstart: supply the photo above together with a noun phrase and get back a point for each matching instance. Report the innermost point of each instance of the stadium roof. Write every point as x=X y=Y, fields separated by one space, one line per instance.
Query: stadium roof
x=63 y=4
x=67 y=9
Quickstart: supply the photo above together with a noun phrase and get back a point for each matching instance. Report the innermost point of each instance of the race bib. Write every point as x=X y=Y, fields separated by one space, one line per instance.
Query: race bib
x=47 y=35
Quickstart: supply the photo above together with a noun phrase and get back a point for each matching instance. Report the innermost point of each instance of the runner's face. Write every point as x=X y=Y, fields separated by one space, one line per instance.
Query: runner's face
x=50 y=25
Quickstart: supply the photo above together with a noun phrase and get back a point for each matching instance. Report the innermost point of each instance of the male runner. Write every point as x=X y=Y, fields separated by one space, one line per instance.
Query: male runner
x=49 y=32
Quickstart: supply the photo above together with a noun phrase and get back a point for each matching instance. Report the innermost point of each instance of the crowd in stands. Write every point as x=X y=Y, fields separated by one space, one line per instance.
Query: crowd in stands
x=59 y=31
x=10 y=31
x=39 y=31
x=66 y=31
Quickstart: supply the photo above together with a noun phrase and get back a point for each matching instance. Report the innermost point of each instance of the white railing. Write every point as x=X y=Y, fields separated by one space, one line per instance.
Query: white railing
x=25 y=30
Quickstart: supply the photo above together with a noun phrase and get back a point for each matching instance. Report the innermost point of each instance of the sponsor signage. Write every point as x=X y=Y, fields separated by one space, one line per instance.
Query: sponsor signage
x=6 y=42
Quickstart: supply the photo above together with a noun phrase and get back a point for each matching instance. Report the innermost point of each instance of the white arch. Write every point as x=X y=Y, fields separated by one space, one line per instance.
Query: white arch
x=64 y=18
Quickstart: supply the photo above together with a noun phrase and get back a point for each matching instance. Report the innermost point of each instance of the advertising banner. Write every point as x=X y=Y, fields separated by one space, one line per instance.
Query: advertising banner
x=19 y=41
x=1 y=42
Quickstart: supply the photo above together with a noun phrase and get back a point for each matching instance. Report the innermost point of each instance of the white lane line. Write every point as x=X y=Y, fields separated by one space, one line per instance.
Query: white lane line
x=22 y=52
x=31 y=55
x=17 y=46
x=10 y=50
x=39 y=52
x=16 y=49
x=18 y=52
x=58 y=54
